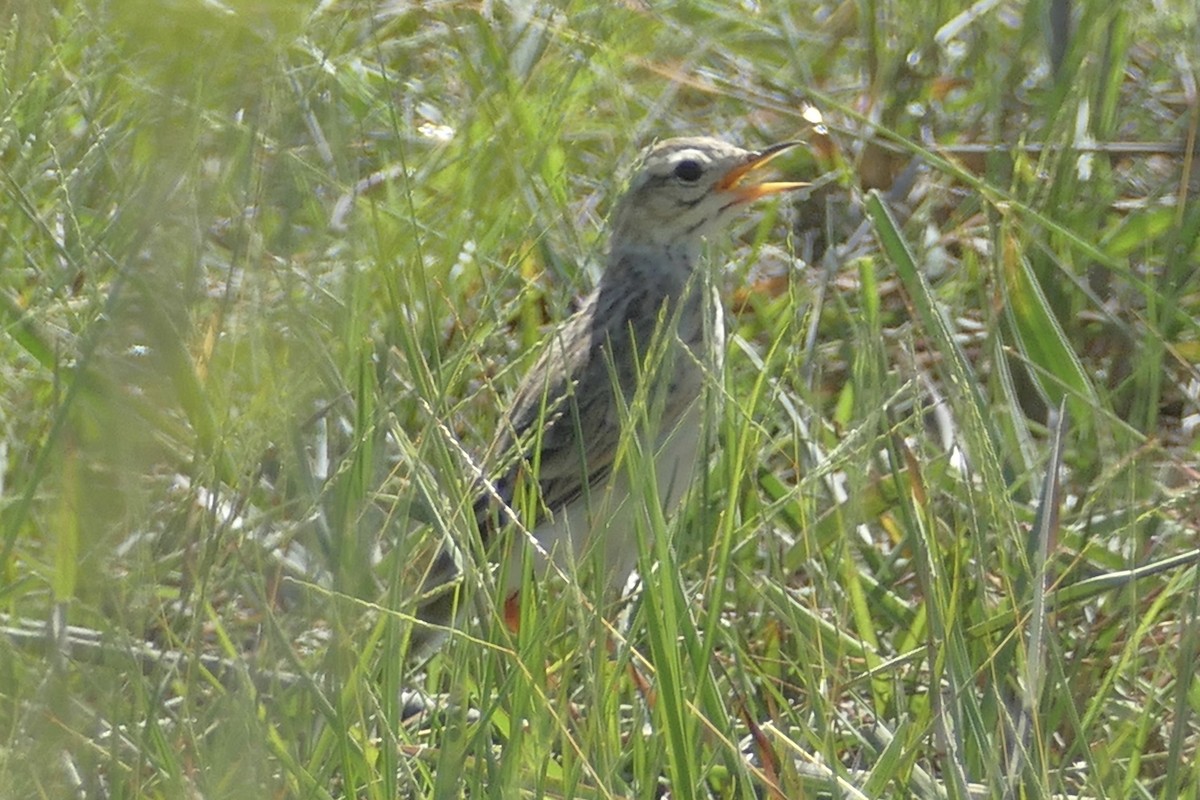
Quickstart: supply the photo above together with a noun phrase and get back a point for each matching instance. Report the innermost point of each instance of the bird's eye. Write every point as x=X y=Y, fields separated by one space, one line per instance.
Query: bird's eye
x=689 y=170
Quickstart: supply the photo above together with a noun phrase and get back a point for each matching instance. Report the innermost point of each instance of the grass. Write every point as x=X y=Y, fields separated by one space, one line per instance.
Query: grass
x=267 y=272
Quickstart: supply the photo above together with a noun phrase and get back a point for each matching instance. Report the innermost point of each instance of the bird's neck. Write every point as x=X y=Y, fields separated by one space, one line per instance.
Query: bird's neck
x=670 y=268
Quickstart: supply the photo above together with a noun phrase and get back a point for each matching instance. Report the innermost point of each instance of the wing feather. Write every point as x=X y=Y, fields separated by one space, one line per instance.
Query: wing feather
x=564 y=421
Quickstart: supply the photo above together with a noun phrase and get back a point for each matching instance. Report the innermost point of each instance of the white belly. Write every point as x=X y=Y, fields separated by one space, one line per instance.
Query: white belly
x=601 y=532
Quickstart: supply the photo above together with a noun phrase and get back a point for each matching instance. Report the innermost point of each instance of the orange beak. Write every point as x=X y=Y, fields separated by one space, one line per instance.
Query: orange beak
x=732 y=182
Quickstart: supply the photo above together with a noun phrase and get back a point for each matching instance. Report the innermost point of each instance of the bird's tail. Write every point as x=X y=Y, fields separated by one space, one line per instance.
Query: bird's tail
x=438 y=609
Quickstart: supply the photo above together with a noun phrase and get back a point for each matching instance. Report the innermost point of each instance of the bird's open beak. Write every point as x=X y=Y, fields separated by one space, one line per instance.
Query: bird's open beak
x=732 y=182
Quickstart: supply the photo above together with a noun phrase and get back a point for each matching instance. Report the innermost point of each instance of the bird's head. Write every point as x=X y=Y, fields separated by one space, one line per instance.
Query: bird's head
x=685 y=188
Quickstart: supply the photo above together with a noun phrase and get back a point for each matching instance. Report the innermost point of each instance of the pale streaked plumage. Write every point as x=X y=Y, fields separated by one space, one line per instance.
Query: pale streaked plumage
x=565 y=421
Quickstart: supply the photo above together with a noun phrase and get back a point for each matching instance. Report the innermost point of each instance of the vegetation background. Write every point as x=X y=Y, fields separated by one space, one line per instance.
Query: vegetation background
x=268 y=269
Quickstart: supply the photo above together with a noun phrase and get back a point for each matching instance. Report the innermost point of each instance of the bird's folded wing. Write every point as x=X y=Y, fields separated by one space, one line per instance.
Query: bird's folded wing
x=564 y=423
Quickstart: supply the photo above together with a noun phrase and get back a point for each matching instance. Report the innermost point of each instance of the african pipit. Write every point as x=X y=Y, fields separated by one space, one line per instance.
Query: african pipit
x=637 y=354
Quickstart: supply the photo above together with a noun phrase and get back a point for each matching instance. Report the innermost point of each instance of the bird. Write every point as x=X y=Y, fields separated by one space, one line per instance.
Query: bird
x=638 y=352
